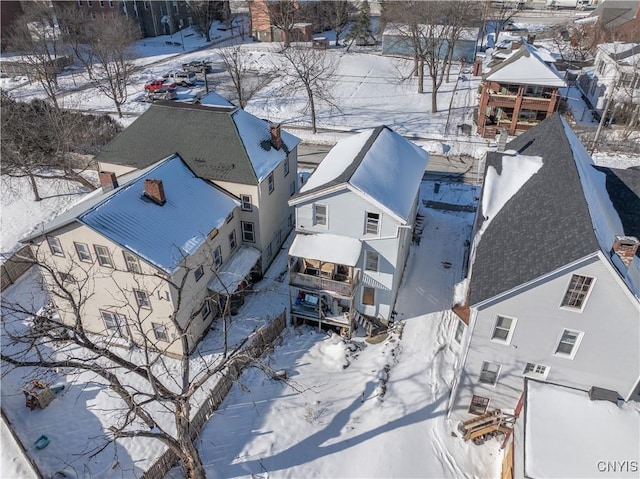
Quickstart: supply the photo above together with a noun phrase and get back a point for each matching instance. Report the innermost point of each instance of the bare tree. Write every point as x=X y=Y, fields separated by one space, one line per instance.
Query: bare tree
x=336 y=14
x=246 y=79
x=311 y=71
x=420 y=30
x=459 y=15
x=41 y=141
x=148 y=382
x=104 y=48
x=283 y=15
x=361 y=30
x=497 y=16
x=206 y=12
x=37 y=36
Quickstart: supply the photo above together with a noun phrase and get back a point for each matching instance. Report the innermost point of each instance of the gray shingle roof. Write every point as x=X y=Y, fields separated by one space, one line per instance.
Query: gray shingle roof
x=623 y=187
x=206 y=137
x=544 y=226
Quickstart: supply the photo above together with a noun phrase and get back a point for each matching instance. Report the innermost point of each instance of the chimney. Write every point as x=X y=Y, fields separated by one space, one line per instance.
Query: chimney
x=503 y=135
x=531 y=39
x=154 y=191
x=108 y=180
x=276 y=137
x=625 y=247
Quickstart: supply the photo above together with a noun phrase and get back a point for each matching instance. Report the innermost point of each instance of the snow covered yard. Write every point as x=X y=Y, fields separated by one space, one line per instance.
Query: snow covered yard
x=360 y=409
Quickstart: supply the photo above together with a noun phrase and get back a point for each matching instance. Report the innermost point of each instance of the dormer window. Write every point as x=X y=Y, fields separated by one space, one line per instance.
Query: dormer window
x=372 y=223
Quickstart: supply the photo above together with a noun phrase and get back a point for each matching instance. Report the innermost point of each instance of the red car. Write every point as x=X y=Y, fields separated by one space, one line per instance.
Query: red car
x=158 y=84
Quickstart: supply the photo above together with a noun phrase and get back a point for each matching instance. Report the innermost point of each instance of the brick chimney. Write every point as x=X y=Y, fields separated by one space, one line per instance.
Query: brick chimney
x=108 y=180
x=625 y=247
x=154 y=191
x=276 y=137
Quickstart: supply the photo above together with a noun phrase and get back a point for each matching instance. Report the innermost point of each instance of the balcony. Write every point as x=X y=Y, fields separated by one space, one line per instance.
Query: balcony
x=315 y=275
x=502 y=101
x=531 y=103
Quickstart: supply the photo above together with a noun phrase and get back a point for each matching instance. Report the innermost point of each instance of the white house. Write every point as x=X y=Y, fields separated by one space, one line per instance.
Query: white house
x=615 y=76
x=139 y=260
x=245 y=155
x=354 y=224
x=554 y=276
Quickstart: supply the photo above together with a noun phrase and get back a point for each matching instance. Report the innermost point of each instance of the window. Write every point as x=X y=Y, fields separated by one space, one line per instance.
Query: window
x=568 y=344
x=286 y=166
x=232 y=240
x=247 y=232
x=489 y=373
x=198 y=273
x=101 y=2
x=271 y=185
x=131 y=260
x=601 y=66
x=104 y=257
x=459 y=332
x=368 y=295
x=536 y=370
x=114 y=323
x=269 y=251
x=229 y=217
x=55 y=246
x=371 y=261
x=206 y=309
x=160 y=332
x=84 y=253
x=111 y=3
x=372 y=223
x=319 y=214
x=217 y=256
x=246 y=203
x=503 y=329
x=577 y=291
x=142 y=298
x=478 y=405
x=292 y=188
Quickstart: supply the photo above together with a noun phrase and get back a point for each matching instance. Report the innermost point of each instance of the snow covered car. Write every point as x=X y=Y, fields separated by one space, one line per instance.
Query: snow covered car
x=163 y=94
x=158 y=84
x=197 y=66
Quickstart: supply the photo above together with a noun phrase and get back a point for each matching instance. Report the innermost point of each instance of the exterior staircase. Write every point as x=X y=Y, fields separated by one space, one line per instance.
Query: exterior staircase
x=371 y=326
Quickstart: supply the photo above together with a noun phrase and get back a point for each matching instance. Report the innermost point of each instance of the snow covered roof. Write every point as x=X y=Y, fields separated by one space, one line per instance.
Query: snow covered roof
x=622 y=53
x=15 y=463
x=378 y=164
x=218 y=143
x=162 y=235
x=546 y=207
x=214 y=99
x=327 y=247
x=597 y=431
x=528 y=66
x=235 y=270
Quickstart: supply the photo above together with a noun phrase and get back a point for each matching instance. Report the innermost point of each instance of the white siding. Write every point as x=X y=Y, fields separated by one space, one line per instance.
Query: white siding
x=608 y=355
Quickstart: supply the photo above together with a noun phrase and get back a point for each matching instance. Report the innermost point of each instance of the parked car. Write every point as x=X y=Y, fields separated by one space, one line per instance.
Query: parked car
x=182 y=78
x=197 y=66
x=158 y=84
x=163 y=94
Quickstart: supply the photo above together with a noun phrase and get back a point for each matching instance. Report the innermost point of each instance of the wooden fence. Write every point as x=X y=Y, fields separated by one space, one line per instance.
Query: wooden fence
x=258 y=343
x=16 y=266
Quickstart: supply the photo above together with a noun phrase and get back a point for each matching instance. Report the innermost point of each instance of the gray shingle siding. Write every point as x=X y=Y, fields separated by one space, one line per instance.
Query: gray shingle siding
x=544 y=226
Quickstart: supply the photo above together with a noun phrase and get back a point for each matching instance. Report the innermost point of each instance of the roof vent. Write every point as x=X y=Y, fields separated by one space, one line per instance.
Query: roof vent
x=154 y=190
x=626 y=248
x=108 y=180
x=276 y=135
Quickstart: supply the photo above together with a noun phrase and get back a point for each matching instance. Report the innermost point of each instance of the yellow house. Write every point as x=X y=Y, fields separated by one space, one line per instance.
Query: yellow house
x=133 y=260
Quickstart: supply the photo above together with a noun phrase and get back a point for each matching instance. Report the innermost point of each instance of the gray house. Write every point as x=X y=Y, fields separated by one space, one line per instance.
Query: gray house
x=554 y=276
x=248 y=157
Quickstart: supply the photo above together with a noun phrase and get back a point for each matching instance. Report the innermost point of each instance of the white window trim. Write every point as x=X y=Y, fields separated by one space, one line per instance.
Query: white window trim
x=575 y=346
x=287 y=166
x=131 y=260
x=366 y=258
x=139 y=302
x=242 y=203
x=206 y=308
x=57 y=245
x=586 y=298
x=507 y=341
x=120 y=322
x=87 y=251
x=366 y=223
x=326 y=215
x=109 y=263
x=497 y=374
x=233 y=241
x=198 y=273
x=460 y=326
x=253 y=231
x=217 y=256
x=534 y=374
x=271 y=183
x=155 y=327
